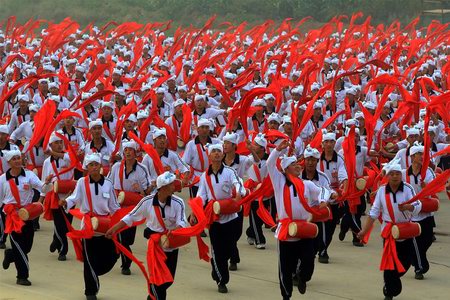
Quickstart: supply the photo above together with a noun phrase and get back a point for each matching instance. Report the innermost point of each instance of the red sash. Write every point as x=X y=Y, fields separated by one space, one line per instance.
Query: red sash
x=200 y=156
x=13 y=223
x=108 y=132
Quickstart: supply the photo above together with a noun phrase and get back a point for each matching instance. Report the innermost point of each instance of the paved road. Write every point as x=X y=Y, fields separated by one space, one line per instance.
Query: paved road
x=352 y=273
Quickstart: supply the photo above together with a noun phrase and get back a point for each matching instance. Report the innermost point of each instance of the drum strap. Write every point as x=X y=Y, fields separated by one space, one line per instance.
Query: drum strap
x=208 y=181
x=14 y=191
x=389 y=207
x=121 y=170
x=108 y=132
x=87 y=188
x=55 y=170
x=175 y=124
x=257 y=173
x=200 y=156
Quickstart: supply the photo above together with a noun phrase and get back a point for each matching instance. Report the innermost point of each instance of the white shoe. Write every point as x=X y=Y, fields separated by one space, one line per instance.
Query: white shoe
x=250 y=241
x=260 y=246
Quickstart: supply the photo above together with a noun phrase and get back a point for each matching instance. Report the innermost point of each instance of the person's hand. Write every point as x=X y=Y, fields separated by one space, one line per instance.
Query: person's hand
x=323 y=205
x=62 y=203
x=109 y=234
x=48 y=152
x=360 y=235
x=48 y=179
x=283 y=145
x=406 y=207
x=238 y=197
x=192 y=219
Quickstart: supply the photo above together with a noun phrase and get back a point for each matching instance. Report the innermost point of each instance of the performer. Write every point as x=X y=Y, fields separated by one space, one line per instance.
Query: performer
x=16 y=191
x=422 y=243
x=53 y=165
x=163 y=212
x=94 y=195
x=387 y=204
x=131 y=176
x=216 y=184
x=332 y=164
x=291 y=251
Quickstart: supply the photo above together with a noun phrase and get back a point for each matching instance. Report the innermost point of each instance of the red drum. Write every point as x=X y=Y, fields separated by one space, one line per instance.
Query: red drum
x=174 y=241
x=430 y=205
x=324 y=214
x=104 y=170
x=226 y=207
x=31 y=211
x=128 y=198
x=64 y=186
x=405 y=230
x=361 y=183
x=303 y=230
x=101 y=224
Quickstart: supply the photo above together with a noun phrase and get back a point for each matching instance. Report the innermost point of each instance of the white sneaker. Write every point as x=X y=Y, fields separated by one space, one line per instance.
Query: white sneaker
x=250 y=241
x=260 y=246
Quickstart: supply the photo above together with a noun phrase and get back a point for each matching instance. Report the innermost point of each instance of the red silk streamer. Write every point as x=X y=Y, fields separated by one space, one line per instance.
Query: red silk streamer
x=159 y=168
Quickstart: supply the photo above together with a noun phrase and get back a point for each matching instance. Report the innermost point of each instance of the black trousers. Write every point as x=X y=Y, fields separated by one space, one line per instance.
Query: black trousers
x=100 y=256
x=3 y=235
x=126 y=238
x=421 y=245
x=21 y=244
x=273 y=209
x=326 y=230
x=60 y=230
x=254 y=229
x=223 y=241
x=160 y=291
x=235 y=258
x=289 y=255
x=392 y=282
x=353 y=221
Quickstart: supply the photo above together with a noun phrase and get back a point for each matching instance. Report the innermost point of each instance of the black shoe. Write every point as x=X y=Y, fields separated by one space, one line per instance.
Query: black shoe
x=295 y=280
x=358 y=244
x=36 y=226
x=62 y=257
x=53 y=247
x=91 y=297
x=23 y=281
x=301 y=286
x=222 y=288
x=418 y=276
x=233 y=267
x=388 y=297
x=342 y=235
x=2 y=246
x=434 y=238
x=7 y=260
x=126 y=271
x=203 y=234
x=323 y=259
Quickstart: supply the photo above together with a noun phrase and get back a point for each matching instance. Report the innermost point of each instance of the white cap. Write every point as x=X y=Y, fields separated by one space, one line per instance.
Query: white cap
x=54 y=138
x=416 y=148
x=211 y=147
x=109 y=104
x=9 y=154
x=164 y=179
x=231 y=137
x=159 y=132
x=259 y=102
x=142 y=114
x=393 y=165
x=329 y=136
x=359 y=114
x=286 y=161
x=23 y=97
x=80 y=69
x=370 y=105
x=199 y=98
x=4 y=129
x=129 y=144
x=97 y=122
x=160 y=90
x=54 y=85
x=132 y=118
x=90 y=158
x=412 y=131
x=274 y=117
x=33 y=107
x=182 y=88
x=178 y=102
x=121 y=92
x=204 y=122
x=287 y=119
x=311 y=152
x=260 y=139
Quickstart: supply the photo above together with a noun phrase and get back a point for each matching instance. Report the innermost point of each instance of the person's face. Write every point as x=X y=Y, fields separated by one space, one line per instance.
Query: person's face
x=96 y=131
x=200 y=104
x=168 y=189
x=160 y=142
x=43 y=86
x=412 y=138
x=203 y=130
x=228 y=147
x=119 y=99
x=16 y=162
x=328 y=145
x=293 y=169
x=3 y=137
x=216 y=155
x=386 y=110
x=274 y=125
x=93 y=168
x=107 y=111
x=68 y=122
x=183 y=94
x=57 y=146
x=129 y=153
x=395 y=177
x=54 y=91
x=317 y=112
x=361 y=122
x=23 y=104
x=287 y=127
x=417 y=158
x=115 y=77
x=311 y=163
x=159 y=96
x=128 y=125
x=178 y=109
x=270 y=102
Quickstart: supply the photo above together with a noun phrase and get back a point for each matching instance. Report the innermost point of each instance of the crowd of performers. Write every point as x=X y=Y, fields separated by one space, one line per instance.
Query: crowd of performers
x=300 y=131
